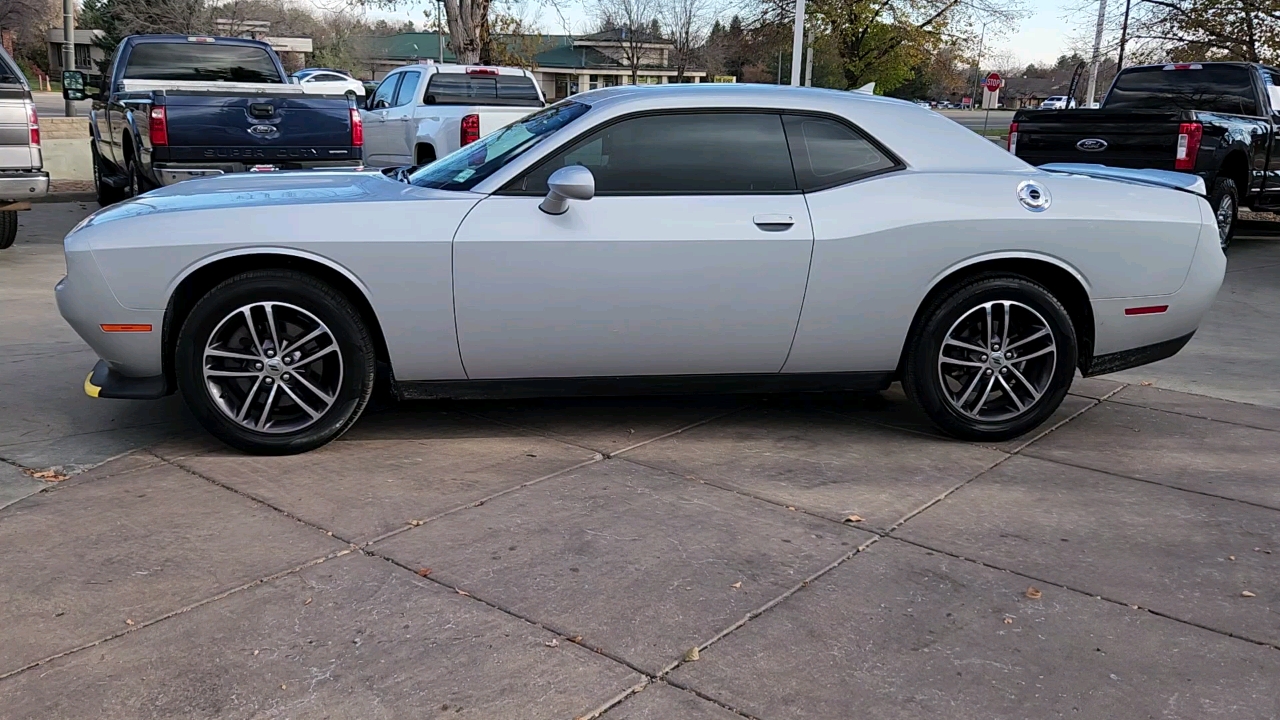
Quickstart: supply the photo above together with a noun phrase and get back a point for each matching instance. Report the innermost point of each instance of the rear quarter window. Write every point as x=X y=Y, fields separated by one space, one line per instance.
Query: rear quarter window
x=1227 y=89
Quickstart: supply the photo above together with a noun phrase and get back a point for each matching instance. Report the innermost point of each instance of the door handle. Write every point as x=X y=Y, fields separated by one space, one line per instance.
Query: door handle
x=773 y=221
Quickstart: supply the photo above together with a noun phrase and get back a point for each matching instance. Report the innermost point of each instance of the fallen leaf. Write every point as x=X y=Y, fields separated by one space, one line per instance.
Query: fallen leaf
x=50 y=475
x=575 y=639
x=423 y=572
x=415 y=523
x=691 y=654
x=255 y=652
x=308 y=602
x=791 y=507
x=1008 y=621
x=1246 y=593
x=282 y=687
x=1134 y=607
x=736 y=585
x=1231 y=557
x=1034 y=593
x=553 y=642
x=127 y=621
x=462 y=592
x=1145 y=383
x=853 y=518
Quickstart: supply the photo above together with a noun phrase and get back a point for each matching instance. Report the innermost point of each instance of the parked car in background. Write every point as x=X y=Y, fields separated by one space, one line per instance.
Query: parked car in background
x=1217 y=120
x=423 y=112
x=695 y=237
x=22 y=175
x=327 y=81
x=177 y=107
x=1058 y=102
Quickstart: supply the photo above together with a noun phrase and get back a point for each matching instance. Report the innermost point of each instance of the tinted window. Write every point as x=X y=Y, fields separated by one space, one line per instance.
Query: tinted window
x=1212 y=88
x=200 y=62
x=386 y=91
x=464 y=89
x=462 y=169
x=404 y=95
x=326 y=77
x=828 y=153
x=712 y=153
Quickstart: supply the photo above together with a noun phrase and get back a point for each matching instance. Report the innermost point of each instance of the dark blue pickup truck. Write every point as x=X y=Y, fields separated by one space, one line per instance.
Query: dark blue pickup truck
x=177 y=107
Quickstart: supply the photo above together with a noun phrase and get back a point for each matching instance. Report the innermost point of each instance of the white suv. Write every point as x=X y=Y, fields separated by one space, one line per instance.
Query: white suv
x=1058 y=102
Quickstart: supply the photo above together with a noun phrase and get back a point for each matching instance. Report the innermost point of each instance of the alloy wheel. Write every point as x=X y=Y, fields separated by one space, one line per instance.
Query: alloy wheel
x=997 y=361
x=272 y=367
x=1225 y=216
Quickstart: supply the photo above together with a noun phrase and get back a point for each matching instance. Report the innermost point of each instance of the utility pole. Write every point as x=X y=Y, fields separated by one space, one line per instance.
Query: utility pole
x=808 y=62
x=977 y=67
x=1097 y=55
x=797 y=45
x=1124 y=35
x=440 y=28
x=69 y=47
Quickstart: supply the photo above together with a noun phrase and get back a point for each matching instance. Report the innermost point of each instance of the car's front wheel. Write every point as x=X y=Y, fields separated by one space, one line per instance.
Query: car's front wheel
x=992 y=359
x=275 y=362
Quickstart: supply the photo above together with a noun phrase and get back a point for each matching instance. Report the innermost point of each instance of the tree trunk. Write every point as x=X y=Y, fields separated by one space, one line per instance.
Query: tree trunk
x=466 y=19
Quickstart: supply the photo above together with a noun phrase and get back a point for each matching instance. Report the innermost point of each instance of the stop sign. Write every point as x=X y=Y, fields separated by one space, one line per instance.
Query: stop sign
x=993 y=82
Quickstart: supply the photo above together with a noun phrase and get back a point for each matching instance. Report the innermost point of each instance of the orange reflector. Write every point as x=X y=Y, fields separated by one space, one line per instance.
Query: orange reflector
x=125 y=327
x=1148 y=310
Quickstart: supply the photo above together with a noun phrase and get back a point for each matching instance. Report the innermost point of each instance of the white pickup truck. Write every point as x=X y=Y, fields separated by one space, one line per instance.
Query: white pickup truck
x=423 y=112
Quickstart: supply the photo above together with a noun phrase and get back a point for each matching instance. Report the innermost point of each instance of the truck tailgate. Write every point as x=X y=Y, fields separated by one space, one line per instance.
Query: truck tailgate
x=1133 y=139
x=249 y=127
x=493 y=118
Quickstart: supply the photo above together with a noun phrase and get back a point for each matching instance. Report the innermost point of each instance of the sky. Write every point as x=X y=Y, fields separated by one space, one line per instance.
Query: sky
x=1040 y=38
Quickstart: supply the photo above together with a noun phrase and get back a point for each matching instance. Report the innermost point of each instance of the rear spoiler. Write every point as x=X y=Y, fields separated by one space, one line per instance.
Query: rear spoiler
x=1184 y=182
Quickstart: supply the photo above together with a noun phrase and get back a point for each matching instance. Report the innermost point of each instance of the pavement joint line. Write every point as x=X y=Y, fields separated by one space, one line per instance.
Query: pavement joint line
x=477 y=503
x=185 y=609
x=1086 y=593
x=560 y=634
x=533 y=430
x=90 y=432
x=709 y=698
x=1131 y=403
x=1157 y=483
x=1094 y=402
x=254 y=498
x=677 y=431
x=945 y=494
x=617 y=699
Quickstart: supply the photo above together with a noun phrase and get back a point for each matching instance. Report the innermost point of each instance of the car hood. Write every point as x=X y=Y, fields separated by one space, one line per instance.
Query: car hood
x=246 y=190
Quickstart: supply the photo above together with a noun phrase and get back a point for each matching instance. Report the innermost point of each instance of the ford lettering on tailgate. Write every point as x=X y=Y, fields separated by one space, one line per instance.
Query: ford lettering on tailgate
x=236 y=153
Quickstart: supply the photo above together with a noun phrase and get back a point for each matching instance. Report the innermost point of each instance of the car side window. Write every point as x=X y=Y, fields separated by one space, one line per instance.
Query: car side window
x=827 y=152
x=386 y=91
x=712 y=153
x=408 y=86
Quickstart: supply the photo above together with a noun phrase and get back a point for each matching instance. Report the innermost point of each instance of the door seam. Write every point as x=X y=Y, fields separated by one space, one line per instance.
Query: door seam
x=813 y=245
x=453 y=284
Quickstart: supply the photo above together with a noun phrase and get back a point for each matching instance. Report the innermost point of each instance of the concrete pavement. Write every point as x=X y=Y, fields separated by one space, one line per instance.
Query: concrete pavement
x=564 y=558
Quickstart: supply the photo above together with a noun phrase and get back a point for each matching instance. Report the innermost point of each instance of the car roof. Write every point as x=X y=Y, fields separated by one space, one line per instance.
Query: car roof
x=921 y=137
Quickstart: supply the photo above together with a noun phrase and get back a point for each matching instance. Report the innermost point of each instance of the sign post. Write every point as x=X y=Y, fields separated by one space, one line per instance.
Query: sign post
x=992 y=85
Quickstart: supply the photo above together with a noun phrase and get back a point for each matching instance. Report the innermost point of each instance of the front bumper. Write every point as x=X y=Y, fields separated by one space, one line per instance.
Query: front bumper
x=23 y=185
x=104 y=382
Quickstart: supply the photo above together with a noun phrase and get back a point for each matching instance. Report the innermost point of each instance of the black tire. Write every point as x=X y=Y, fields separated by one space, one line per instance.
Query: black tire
x=1225 y=191
x=351 y=337
x=107 y=195
x=923 y=375
x=8 y=228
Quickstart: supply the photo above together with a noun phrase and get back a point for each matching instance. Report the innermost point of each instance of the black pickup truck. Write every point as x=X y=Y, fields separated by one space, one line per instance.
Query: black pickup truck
x=177 y=107
x=1218 y=120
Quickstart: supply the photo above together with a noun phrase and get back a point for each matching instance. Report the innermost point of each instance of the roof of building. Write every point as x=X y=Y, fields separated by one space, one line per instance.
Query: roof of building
x=409 y=46
x=575 y=57
x=617 y=35
x=547 y=51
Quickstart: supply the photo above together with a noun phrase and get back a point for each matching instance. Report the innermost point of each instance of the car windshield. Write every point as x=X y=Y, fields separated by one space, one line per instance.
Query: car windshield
x=468 y=165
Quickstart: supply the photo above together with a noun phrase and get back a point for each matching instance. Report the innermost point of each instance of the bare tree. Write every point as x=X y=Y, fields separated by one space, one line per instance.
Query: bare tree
x=630 y=21
x=686 y=22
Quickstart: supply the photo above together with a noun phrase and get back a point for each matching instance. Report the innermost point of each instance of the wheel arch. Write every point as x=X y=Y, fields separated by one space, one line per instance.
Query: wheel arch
x=199 y=279
x=1063 y=281
x=1236 y=167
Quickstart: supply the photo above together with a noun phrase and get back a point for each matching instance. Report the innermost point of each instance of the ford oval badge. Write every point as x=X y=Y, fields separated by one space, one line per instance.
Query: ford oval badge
x=1092 y=145
x=262 y=129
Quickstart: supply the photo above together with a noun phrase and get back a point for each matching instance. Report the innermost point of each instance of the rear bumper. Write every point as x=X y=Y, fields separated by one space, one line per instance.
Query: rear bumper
x=170 y=173
x=23 y=185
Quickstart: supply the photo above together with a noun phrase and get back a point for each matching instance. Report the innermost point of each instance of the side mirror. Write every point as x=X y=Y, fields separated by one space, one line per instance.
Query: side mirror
x=574 y=182
x=73 y=85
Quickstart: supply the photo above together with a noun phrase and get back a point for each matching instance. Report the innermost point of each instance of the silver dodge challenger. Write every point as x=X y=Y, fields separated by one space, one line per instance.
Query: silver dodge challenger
x=641 y=239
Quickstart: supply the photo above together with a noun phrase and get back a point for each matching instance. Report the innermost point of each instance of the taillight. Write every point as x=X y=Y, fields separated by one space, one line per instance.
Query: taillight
x=470 y=129
x=481 y=71
x=1189 y=135
x=357 y=129
x=159 y=127
x=33 y=123
x=1013 y=138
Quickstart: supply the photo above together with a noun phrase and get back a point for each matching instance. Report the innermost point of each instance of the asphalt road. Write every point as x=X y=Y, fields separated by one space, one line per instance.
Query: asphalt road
x=52 y=105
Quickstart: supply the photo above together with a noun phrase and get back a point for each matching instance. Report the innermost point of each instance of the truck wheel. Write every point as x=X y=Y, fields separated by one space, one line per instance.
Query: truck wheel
x=8 y=228
x=1225 y=201
x=107 y=195
x=275 y=362
x=992 y=359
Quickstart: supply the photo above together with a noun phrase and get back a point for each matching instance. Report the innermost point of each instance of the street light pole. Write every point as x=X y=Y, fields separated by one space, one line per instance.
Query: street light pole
x=1124 y=35
x=797 y=45
x=977 y=67
x=68 y=47
x=1097 y=52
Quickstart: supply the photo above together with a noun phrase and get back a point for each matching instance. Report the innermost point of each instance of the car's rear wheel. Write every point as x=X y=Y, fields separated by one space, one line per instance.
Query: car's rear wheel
x=8 y=228
x=275 y=362
x=1225 y=201
x=992 y=359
